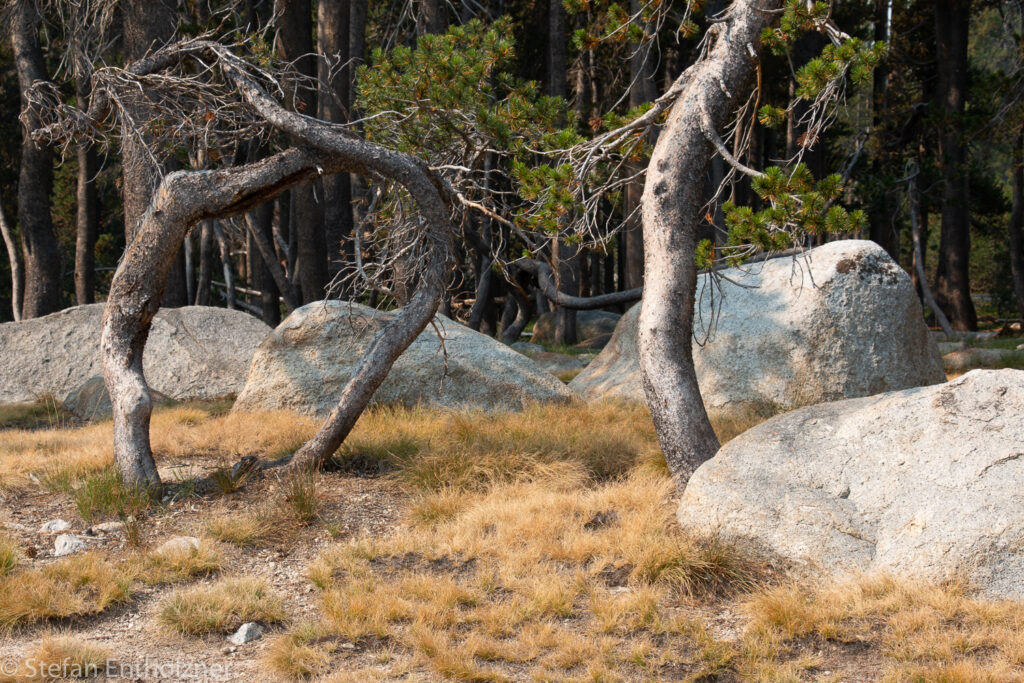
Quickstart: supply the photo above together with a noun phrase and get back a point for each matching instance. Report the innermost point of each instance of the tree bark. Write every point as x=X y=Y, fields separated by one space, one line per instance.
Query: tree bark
x=432 y=17
x=564 y=256
x=914 y=201
x=883 y=230
x=1017 y=223
x=952 y=280
x=147 y=26
x=671 y=215
x=295 y=44
x=335 y=101
x=86 y=213
x=41 y=257
x=567 y=279
x=205 y=280
x=15 y=261
x=185 y=198
x=642 y=89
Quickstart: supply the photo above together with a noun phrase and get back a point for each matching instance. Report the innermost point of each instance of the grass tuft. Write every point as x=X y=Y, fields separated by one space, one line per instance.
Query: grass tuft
x=9 y=556
x=182 y=563
x=76 y=586
x=103 y=495
x=63 y=657
x=221 y=607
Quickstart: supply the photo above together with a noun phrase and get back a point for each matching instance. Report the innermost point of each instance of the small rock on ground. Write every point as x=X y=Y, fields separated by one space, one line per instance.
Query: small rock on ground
x=67 y=544
x=179 y=544
x=54 y=526
x=246 y=633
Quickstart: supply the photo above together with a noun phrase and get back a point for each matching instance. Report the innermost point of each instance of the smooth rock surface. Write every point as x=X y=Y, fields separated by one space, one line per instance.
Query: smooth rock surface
x=588 y=324
x=67 y=544
x=924 y=481
x=192 y=353
x=91 y=401
x=304 y=364
x=178 y=545
x=246 y=633
x=54 y=526
x=842 y=322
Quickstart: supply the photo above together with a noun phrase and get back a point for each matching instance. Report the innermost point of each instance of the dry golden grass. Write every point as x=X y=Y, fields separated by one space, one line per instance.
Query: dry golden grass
x=64 y=458
x=221 y=607
x=543 y=576
x=181 y=563
x=473 y=450
x=925 y=632
x=537 y=546
x=79 y=585
x=60 y=657
x=9 y=556
x=246 y=528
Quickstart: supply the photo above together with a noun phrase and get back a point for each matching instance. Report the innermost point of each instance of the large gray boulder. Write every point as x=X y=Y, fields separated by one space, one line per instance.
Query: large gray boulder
x=304 y=364
x=842 y=322
x=91 y=401
x=192 y=353
x=589 y=324
x=927 y=482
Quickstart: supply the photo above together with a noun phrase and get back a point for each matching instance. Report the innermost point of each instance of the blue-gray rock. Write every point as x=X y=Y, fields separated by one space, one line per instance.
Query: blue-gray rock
x=925 y=482
x=842 y=321
x=67 y=544
x=246 y=633
x=193 y=352
x=304 y=364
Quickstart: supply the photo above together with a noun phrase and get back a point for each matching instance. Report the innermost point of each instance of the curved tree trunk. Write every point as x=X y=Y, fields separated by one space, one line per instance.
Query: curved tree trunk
x=185 y=198
x=671 y=211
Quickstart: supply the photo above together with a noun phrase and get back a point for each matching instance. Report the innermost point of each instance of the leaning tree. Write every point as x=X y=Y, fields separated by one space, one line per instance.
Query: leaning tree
x=709 y=101
x=220 y=101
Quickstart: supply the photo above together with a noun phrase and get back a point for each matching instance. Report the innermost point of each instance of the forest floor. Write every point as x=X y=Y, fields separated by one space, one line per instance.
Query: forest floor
x=539 y=546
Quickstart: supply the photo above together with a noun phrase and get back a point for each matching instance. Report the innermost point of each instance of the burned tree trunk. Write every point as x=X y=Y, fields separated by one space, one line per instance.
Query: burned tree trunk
x=711 y=92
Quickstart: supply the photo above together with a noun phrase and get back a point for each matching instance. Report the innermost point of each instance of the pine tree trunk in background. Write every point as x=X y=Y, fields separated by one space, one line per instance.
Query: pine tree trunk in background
x=883 y=229
x=147 y=25
x=86 y=226
x=564 y=257
x=263 y=218
x=206 y=255
x=642 y=90
x=567 y=279
x=86 y=212
x=295 y=44
x=1017 y=223
x=952 y=280
x=333 y=35
x=40 y=253
x=431 y=17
